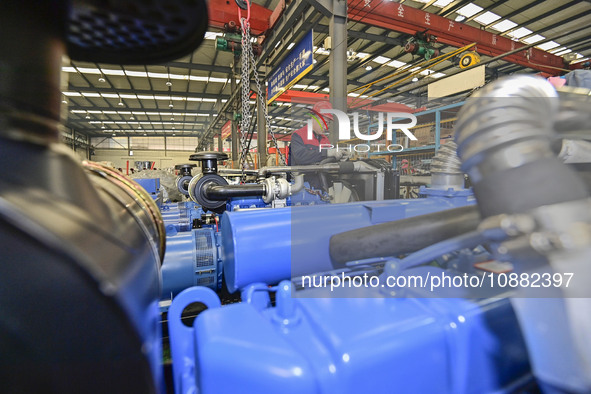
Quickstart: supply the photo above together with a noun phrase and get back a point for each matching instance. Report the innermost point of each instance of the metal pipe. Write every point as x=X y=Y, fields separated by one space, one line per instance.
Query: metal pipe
x=401 y=236
x=504 y=134
x=30 y=74
x=224 y=192
x=265 y=171
x=298 y=184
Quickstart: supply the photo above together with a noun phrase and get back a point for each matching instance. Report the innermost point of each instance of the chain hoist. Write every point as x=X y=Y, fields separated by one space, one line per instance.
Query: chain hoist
x=248 y=63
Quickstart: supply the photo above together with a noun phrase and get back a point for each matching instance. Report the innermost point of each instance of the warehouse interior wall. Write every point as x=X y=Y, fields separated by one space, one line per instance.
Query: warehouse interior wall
x=163 y=159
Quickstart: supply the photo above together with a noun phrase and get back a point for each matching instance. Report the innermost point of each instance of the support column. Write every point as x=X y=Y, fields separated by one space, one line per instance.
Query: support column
x=261 y=131
x=338 y=61
x=220 y=143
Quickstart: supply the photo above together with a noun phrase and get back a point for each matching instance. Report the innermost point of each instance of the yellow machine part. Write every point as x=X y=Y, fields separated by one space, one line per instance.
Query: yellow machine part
x=468 y=59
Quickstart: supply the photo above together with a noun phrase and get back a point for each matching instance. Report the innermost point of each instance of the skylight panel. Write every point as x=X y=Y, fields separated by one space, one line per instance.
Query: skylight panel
x=469 y=9
x=534 y=39
x=487 y=18
x=396 y=63
x=504 y=25
x=521 y=32
x=381 y=59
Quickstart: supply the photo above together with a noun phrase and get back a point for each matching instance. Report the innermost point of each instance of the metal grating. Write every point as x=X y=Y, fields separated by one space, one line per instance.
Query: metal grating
x=203 y=249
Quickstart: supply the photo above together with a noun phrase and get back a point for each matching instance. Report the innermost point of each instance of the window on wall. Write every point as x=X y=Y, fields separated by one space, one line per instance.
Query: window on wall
x=109 y=143
x=181 y=143
x=146 y=143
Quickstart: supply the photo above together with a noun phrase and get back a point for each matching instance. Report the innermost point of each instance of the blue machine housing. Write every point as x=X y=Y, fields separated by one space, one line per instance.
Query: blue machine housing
x=192 y=259
x=348 y=345
x=179 y=216
x=152 y=186
x=260 y=245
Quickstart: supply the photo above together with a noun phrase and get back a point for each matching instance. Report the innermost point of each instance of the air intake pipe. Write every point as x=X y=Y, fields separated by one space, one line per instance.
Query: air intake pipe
x=411 y=234
x=504 y=134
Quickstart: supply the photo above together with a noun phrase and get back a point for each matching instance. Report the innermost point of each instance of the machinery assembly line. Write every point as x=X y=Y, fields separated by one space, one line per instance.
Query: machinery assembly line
x=275 y=196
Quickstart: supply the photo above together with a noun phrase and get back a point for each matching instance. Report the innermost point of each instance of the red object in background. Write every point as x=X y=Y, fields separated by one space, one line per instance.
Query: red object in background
x=409 y=20
x=404 y=19
x=127 y=168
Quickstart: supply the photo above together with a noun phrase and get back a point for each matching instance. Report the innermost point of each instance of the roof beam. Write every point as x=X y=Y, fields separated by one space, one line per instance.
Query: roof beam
x=409 y=20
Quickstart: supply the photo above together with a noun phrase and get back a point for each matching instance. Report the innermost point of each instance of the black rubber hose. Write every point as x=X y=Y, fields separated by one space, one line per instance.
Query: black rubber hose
x=401 y=236
x=224 y=192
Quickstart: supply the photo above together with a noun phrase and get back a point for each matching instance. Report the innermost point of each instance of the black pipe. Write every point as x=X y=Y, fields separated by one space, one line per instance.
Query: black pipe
x=224 y=192
x=401 y=236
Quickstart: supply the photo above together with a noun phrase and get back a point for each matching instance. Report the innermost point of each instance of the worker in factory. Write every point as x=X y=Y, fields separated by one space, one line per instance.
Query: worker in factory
x=306 y=151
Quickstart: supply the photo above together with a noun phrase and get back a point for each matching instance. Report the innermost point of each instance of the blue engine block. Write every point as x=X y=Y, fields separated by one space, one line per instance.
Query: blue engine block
x=340 y=345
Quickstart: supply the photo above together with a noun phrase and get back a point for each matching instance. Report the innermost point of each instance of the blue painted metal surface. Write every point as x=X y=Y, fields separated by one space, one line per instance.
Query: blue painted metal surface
x=259 y=246
x=179 y=216
x=151 y=185
x=348 y=345
x=192 y=259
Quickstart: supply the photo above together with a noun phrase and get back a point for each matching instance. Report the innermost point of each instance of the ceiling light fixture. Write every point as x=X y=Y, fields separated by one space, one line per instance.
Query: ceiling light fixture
x=168 y=83
x=131 y=117
x=369 y=68
x=102 y=78
x=415 y=79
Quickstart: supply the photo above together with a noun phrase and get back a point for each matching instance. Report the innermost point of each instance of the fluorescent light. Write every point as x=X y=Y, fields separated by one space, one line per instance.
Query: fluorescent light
x=296 y=86
x=469 y=9
x=521 y=32
x=90 y=94
x=136 y=73
x=221 y=80
x=353 y=94
x=578 y=56
x=504 y=25
x=427 y=72
x=71 y=94
x=437 y=75
x=556 y=50
x=487 y=18
x=534 y=39
x=396 y=63
x=290 y=46
x=548 y=45
x=564 y=52
x=381 y=59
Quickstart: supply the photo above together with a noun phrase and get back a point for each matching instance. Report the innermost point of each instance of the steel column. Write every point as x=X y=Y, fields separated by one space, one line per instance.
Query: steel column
x=338 y=61
x=261 y=131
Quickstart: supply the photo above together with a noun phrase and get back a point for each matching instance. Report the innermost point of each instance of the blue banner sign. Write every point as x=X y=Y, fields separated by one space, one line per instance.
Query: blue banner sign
x=296 y=64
